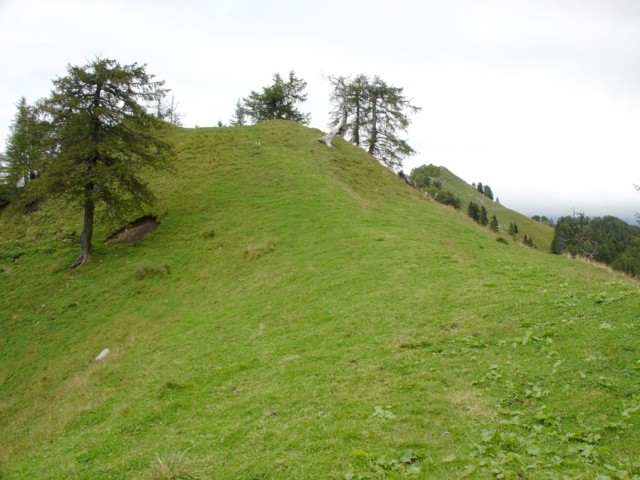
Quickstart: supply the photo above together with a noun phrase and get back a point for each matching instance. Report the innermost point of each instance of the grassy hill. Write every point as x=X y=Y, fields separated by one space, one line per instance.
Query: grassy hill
x=300 y=312
x=541 y=234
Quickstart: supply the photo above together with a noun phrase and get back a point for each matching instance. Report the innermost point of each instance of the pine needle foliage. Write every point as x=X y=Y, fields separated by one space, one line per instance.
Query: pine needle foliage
x=103 y=137
x=373 y=113
x=278 y=101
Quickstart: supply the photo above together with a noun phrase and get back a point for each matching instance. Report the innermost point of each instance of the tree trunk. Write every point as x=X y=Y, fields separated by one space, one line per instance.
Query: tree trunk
x=327 y=139
x=338 y=130
x=87 y=228
x=373 y=139
x=89 y=187
x=356 y=125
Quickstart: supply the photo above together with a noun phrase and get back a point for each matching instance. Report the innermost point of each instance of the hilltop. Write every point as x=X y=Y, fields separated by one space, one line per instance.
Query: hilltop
x=300 y=312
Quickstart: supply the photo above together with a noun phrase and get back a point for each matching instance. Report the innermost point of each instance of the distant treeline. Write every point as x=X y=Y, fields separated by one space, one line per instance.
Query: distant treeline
x=543 y=219
x=604 y=239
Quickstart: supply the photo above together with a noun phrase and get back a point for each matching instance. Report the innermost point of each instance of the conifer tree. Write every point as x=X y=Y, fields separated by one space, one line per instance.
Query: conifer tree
x=278 y=101
x=473 y=210
x=483 y=218
x=513 y=229
x=25 y=147
x=493 y=225
x=104 y=136
x=420 y=176
x=374 y=113
x=168 y=111
x=239 y=115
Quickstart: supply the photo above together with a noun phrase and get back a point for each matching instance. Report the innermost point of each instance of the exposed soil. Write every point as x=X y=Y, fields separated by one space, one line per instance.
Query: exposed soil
x=135 y=231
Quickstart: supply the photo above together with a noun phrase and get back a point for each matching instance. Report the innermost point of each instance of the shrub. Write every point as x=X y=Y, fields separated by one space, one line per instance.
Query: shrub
x=494 y=226
x=473 y=210
x=447 y=198
x=528 y=241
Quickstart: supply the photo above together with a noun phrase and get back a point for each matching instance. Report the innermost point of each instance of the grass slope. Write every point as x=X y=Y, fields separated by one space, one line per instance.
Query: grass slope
x=302 y=313
x=541 y=234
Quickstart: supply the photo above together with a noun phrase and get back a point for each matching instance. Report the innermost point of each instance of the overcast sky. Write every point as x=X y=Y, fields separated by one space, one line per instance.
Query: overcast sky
x=539 y=99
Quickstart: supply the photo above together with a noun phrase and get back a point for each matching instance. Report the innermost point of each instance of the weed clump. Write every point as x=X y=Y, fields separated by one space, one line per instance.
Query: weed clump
x=172 y=467
x=149 y=272
x=254 y=252
x=209 y=233
x=171 y=387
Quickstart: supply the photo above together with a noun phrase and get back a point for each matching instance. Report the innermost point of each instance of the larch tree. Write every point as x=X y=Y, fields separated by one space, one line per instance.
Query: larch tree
x=278 y=101
x=101 y=123
x=375 y=115
x=168 y=111
x=349 y=99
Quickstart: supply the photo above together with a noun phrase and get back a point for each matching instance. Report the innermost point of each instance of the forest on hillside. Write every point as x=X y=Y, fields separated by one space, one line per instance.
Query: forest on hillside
x=603 y=239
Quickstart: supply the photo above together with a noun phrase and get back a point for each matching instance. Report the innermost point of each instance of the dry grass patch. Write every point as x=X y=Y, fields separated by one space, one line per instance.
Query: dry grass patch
x=259 y=250
x=470 y=403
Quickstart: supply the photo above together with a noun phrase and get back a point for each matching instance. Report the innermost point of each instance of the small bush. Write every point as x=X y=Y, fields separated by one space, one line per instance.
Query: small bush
x=502 y=240
x=445 y=197
x=150 y=272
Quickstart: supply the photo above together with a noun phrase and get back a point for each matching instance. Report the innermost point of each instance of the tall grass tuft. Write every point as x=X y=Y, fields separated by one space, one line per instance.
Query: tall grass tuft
x=150 y=272
x=173 y=467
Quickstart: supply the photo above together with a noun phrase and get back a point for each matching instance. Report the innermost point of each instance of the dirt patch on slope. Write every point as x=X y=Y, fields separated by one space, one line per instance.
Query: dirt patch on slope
x=135 y=231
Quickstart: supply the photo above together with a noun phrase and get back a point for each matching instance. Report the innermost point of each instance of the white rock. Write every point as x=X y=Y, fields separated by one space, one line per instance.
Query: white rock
x=102 y=354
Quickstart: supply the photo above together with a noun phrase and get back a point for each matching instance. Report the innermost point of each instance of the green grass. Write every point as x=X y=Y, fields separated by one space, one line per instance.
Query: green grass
x=540 y=233
x=302 y=313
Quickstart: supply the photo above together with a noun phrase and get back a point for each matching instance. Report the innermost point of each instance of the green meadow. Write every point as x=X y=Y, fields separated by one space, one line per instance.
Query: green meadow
x=302 y=313
x=541 y=234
